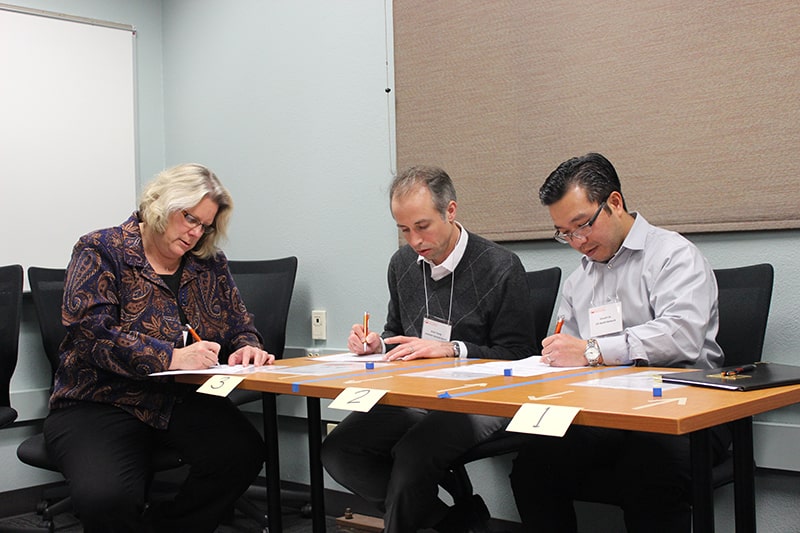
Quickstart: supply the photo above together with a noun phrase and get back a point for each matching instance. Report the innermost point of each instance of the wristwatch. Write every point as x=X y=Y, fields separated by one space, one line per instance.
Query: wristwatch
x=592 y=353
x=456 y=350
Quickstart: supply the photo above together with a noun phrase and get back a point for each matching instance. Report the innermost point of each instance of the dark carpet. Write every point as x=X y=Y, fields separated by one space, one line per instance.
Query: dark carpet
x=67 y=523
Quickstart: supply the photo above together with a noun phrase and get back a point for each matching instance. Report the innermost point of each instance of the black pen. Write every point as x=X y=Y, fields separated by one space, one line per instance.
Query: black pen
x=740 y=370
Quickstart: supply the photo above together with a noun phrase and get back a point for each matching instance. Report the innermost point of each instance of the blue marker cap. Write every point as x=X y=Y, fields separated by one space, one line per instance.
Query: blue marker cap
x=295 y=387
x=370 y=365
x=507 y=372
x=657 y=392
x=445 y=394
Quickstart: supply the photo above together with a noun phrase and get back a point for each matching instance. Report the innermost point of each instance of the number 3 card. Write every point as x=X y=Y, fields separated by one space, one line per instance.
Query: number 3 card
x=220 y=385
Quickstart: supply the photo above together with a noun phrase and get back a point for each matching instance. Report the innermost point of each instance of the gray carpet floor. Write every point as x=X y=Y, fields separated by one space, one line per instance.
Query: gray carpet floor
x=67 y=523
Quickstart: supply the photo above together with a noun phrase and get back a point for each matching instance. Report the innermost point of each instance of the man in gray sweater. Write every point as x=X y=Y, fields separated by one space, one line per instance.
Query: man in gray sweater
x=453 y=294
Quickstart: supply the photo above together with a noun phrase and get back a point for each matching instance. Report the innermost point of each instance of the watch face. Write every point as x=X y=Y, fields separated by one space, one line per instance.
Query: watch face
x=592 y=353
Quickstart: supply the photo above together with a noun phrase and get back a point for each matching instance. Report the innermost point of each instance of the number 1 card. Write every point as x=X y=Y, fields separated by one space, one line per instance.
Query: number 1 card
x=541 y=419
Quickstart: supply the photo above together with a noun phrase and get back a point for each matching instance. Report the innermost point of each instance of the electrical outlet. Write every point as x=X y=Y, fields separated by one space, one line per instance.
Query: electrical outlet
x=318 y=325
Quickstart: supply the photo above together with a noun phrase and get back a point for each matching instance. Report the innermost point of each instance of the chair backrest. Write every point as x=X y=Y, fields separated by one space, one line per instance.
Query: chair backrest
x=543 y=285
x=47 y=288
x=10 y=311
x=745 y=294
x=266 y=287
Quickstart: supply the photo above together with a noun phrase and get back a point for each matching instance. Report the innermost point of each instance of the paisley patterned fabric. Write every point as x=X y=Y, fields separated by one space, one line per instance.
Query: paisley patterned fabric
x=123 y=323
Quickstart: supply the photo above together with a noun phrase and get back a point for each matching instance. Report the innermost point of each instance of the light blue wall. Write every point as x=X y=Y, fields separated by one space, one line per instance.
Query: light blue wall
x=286 y=102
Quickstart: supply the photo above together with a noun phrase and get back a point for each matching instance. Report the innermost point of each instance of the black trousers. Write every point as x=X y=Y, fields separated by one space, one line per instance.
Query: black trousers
x=647 y=474
x=105 y=455
x=394 y=457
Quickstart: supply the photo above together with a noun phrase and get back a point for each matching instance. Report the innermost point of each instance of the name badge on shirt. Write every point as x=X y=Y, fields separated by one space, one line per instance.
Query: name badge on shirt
x=435 y=330
x=605 y=319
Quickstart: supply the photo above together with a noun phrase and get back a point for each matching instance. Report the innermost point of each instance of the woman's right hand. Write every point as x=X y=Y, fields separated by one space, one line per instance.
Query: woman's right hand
x=196 y=356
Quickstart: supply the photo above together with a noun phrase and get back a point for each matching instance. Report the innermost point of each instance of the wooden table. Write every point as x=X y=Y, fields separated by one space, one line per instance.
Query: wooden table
x=688 y=410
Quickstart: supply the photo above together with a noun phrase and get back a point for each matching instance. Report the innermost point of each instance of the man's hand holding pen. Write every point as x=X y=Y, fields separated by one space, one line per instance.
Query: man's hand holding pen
x=560 y=349
x=357 y=341
x=563 y=350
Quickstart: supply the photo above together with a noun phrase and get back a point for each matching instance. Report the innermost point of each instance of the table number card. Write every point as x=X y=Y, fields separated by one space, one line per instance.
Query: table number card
x=220 y=385
x=541 y=419
x=357 y=399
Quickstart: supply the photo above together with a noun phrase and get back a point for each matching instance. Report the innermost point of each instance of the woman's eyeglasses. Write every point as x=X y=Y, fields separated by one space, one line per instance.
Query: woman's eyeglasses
x=192 y=221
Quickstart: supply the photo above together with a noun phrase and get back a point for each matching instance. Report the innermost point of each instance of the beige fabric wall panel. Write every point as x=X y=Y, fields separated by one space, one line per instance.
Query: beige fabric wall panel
x=697 y=104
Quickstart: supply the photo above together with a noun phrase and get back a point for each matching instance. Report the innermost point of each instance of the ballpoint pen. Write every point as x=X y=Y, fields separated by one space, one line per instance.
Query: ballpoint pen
x=195 y=336
x=740 y=370
x=366 y=329
x=560 y=323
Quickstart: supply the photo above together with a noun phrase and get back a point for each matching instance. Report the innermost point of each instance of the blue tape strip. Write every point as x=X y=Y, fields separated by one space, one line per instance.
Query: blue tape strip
x=377 y=372
x=543 y=380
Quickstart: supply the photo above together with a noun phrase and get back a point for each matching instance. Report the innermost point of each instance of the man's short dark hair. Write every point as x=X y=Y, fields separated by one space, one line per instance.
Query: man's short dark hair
x=591 y=172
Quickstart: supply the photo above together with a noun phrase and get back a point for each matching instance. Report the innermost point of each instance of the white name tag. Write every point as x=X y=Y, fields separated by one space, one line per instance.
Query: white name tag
x=435 y=330
x=605 y=319
x=220 y=385
x=355 y=399
x=540 y=419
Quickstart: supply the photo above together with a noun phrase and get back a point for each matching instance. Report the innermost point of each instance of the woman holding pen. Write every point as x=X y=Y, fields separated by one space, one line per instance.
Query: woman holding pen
x=129 y=292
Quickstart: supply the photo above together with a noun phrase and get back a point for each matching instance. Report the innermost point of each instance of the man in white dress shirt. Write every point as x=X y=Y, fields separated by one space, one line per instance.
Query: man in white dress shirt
x=641 y=295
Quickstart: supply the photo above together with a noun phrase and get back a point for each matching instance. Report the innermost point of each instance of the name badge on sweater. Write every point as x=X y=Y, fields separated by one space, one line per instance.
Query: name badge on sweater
x=605 y=319
x=436 y=331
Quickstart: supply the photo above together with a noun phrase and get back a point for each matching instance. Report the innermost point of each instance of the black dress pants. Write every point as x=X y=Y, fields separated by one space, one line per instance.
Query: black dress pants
x=105 y=455
x=647 y=474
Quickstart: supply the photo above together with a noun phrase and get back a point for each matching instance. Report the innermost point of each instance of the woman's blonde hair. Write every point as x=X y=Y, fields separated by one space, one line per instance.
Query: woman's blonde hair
x=183 y=187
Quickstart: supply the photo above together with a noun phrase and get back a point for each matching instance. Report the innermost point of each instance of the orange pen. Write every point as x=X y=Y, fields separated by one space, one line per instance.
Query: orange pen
x=560 y=323
x=366 y=329
x=195 y=336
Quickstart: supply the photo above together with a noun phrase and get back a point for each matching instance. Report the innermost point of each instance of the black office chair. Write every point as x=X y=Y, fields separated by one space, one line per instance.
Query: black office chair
x=10 y=311
x=543 y=285
x=47 y=288
x=266 y=287
x=745 y=294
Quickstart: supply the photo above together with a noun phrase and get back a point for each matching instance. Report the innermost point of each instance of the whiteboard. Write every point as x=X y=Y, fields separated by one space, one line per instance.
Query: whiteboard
x=67 y=134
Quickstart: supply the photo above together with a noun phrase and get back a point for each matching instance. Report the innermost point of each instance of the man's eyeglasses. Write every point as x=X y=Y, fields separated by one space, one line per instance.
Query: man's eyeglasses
x=582 y=231
x=192 y=221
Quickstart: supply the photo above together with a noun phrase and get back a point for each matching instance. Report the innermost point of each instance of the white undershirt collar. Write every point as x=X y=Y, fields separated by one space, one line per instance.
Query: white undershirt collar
x=448 y=266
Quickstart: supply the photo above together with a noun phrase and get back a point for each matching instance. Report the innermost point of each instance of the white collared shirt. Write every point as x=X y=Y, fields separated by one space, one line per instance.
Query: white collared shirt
x=668 y=294
x=448 y=266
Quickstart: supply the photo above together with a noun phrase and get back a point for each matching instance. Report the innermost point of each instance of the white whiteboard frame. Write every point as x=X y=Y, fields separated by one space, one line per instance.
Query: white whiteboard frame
x=68 y=132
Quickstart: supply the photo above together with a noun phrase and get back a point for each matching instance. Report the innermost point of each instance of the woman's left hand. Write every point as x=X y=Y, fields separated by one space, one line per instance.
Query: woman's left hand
x=247 y=354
